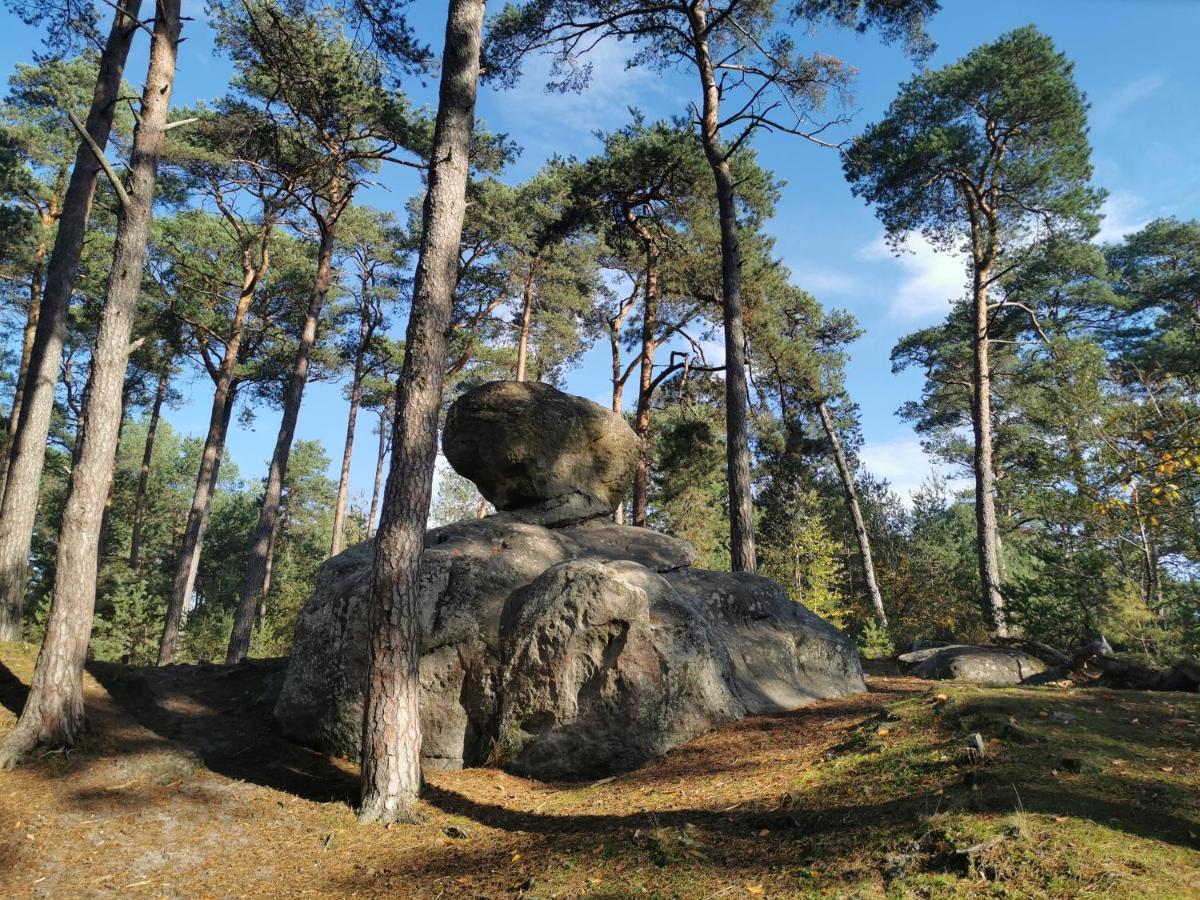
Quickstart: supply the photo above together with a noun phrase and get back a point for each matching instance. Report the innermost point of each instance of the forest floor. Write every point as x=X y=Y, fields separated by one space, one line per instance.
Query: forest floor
x=183 y=789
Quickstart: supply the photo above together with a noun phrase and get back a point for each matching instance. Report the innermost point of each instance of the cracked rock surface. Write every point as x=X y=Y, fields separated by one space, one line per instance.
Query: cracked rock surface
x=566 y=652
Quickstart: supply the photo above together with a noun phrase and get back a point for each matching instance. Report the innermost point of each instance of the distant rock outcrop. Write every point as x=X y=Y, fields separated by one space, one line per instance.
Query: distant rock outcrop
x=997 y=666
x=557 y=643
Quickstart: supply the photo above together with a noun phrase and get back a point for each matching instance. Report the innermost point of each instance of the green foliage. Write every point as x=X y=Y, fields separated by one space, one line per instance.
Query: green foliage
x=1007 y=122
x=457 y=499
x=687 y=470
x=875 y=642
x=801 y=554
x=129 y=623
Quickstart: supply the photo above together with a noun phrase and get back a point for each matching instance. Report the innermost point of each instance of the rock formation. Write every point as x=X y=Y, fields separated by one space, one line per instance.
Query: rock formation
x=557 y=643
x=995 y=666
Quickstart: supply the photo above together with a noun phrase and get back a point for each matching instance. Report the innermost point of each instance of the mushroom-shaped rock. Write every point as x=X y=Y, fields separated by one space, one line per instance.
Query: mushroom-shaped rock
x=531 y=448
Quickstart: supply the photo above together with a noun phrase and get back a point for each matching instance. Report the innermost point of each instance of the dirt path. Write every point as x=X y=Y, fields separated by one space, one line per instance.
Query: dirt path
x=183 y=789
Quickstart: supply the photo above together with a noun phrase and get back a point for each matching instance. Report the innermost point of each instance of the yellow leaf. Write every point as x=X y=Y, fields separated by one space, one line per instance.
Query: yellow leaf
x=516 y=857
x=755 y=890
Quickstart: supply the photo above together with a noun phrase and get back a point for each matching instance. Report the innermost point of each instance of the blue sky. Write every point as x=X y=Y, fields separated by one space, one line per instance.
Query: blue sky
x=1135 y=59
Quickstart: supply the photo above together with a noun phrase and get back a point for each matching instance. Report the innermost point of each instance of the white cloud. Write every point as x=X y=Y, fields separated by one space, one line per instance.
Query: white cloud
x=1108 y=111
x=904 y=463
x=1122 y=216
x=540 y=119
x=931 y=278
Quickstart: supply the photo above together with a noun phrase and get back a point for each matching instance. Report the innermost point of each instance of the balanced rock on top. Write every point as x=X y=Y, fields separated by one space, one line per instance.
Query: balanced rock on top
x=532 y=448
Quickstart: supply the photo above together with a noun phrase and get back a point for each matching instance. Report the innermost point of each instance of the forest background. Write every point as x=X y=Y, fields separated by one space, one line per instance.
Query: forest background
x=1134 y=62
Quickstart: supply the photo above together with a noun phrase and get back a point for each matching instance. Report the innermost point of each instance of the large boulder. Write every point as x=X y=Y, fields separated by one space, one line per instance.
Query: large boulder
x=528 y=446
x=563 y=652
x=995 y=666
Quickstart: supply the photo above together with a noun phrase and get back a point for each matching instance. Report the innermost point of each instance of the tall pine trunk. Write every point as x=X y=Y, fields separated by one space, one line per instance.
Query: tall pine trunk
x=261 y=612
x=36 y=277
x=391 y=743
x=187 y=564
x=856 y=516
x=338 y=541
x=987 y=529
x=526 y=319
x=28 y=451
x=737 y=430
x=53 y=713
x=523 y=331
x=139 y=500
x=385 y=416
x=268 y=514
x=641 y=475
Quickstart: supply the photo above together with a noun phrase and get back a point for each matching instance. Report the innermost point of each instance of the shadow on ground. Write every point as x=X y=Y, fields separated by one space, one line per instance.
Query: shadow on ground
x=222 y=715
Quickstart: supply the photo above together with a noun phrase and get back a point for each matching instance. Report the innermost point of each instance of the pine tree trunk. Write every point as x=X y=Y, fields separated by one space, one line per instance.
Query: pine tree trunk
x=261 y=612
x=106 y=517
x=28 y=451
x=856 y=516
x=139 y=500
x=339 y=509
x=384 y=418
x=187 y=564
x=987 y=529
x=618 y=391
x=268 y=514
x=391 y=744
x=737 y=432
x=35 y=308
x=526 y=320
x=53 y=712
x=641 y=475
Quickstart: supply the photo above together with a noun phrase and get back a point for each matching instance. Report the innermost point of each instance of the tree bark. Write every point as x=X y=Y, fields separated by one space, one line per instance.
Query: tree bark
x=737 y=433
x=261 y=611
x=53 y=712
x=260 y=545
x=365 y=329
x=526 y=320
x=641 y=475
x=224 y=396
x=856 y=516
x=618 y=390
x=35 y=307
x=139 y=500
x=106 y=516
x=187 y=564
x=619 y=375
x=391 y=744
x=384 y=417
x=987 y=529
x=28 y=450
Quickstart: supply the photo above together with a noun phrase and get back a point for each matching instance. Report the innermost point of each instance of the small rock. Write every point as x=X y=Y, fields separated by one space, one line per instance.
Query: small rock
x=457 y=832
